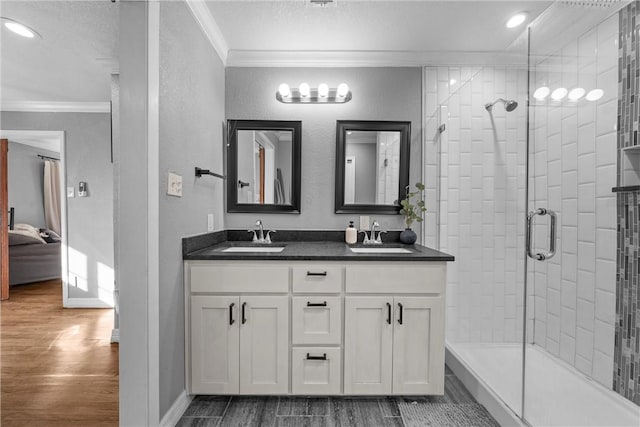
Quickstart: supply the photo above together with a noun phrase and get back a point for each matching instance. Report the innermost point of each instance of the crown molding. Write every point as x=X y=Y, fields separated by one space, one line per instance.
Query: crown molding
x=280 y=58
x=209 y=26
x=56 y=107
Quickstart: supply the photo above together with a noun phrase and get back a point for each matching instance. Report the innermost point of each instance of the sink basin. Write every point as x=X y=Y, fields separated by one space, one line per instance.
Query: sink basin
x=253 y=249
x=380 y=250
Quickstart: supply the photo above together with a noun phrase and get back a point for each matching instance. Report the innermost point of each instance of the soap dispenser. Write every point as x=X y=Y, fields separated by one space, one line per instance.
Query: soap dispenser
x=351 y=234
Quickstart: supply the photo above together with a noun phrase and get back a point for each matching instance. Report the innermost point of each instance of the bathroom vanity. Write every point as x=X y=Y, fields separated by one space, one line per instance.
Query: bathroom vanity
x=314 y=318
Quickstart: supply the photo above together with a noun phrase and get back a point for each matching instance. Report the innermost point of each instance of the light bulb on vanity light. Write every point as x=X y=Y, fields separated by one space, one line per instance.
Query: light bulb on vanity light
x=304 y=89
x=594 y=95
x=284 y=90
x=576 y=93
x=559 y=93
x=323 y=90
x=541 y=93
x=343 y=90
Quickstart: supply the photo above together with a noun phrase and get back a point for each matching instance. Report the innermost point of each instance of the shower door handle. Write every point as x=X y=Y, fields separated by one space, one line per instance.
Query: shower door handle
x=552 y=234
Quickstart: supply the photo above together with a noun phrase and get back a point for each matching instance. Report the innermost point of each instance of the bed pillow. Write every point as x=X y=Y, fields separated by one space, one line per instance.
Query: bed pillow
x=20 y=237
x=28 y=230
x=49 y=236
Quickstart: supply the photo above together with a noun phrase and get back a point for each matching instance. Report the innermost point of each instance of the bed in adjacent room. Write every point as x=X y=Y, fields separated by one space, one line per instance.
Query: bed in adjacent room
x=34 y=255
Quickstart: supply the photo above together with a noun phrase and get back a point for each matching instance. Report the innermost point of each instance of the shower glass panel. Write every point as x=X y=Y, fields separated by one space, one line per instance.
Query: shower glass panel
x=573 y=131
x=475 y=161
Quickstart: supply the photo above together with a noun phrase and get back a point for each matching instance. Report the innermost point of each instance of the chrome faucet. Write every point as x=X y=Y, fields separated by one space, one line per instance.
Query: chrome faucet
x=261 y=238
x=372 y=239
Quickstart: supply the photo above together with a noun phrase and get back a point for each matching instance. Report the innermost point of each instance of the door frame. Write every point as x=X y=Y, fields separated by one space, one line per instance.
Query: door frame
x=59 y=136
x=4 y=224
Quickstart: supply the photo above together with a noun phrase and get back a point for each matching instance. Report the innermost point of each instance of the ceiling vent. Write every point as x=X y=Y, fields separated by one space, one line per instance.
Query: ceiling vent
x=323 y=3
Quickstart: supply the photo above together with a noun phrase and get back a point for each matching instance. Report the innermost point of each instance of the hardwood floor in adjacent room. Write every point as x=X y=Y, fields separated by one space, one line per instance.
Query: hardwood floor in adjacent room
x=58 y=366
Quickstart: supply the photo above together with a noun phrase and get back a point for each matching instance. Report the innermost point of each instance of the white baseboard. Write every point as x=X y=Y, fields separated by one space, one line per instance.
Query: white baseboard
x=86 y=303
x=174 y=413
x=115 y=335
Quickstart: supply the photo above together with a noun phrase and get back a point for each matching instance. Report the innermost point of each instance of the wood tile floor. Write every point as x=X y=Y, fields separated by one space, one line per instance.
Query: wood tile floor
x=58 y=366
x=236 y=411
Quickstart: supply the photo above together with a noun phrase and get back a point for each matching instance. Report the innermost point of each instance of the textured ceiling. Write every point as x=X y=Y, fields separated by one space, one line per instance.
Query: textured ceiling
x=72 y=61
x=464 y=26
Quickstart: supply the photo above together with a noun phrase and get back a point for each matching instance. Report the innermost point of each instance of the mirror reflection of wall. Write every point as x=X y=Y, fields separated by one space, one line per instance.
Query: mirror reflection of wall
x=372 y=167
x=264 y=167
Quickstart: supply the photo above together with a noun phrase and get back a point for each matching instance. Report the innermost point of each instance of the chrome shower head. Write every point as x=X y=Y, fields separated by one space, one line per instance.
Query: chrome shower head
x=509 y=105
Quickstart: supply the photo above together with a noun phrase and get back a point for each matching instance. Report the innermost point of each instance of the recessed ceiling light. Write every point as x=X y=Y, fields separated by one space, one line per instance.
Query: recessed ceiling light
x=541 y=93
x=576 y=93
x=19 y=28
x=559 y=93
x=594 y=95
x=516 y=20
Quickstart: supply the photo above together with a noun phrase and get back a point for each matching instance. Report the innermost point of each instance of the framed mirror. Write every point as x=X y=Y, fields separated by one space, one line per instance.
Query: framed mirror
x=372 y=166
x=263 y=166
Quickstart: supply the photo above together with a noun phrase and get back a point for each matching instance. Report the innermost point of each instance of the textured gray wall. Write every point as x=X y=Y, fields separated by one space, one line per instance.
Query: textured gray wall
x=378 y=94
x=191 y=131
x=26 y=174
x=88 y=158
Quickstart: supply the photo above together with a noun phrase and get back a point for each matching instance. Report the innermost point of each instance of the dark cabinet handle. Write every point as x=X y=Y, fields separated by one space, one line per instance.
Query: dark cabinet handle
x=316 y=304
x=244 y=319
x=319 y=273
x=231 y=321
x=388 y=313
x=400 y=317
x=323 y=357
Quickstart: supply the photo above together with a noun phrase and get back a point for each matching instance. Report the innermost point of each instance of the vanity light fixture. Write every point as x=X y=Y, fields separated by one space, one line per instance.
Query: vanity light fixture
x=19 y=28
x=541 y=93
x=559 y=93
x=576 y=93
x=594 y=95
x=516 y=20
x=307 y=95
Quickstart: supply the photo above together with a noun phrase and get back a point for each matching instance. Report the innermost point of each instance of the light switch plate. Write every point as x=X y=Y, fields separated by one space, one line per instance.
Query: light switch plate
x=174 y=185
x=364 y=222
x=71 y=192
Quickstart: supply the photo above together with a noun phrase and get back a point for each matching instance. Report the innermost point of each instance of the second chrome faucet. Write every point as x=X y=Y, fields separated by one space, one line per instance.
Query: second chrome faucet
x=260 y=238
x=372 y=239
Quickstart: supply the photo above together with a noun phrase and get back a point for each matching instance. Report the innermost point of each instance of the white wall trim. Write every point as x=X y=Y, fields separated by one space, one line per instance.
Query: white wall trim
x=86 y=303
x=115 y=335
x=281 y=58
x=153 y=210
x=56 y=107
x=210 y=27
x=174 y=413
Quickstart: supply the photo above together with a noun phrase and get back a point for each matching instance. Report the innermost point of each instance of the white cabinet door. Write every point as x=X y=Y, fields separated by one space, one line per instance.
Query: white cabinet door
x=367 y=345
x=264 y=344
x=418 y=346
x=215 y=345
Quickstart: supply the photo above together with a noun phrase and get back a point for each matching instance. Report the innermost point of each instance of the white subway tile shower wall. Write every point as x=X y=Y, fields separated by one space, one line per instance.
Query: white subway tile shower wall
x=574 y=169
x=476 y=168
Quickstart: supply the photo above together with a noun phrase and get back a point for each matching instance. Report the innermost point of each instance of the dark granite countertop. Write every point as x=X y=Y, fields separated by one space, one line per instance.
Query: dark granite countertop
x=301 y=246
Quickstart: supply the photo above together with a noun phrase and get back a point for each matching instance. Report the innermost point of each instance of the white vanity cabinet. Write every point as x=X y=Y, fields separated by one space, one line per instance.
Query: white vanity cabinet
x=314 y=328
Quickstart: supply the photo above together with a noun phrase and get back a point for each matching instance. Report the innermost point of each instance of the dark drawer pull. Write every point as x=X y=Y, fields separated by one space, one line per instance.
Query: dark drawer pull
x=316 y=304
x=323 y=357
x=401 y=310
x=388 y=313
x=317 y=273
x=231 y=321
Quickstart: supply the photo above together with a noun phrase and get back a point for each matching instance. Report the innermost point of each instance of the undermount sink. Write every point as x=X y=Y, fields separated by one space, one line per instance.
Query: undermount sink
x=264 y=249
x=380 y=250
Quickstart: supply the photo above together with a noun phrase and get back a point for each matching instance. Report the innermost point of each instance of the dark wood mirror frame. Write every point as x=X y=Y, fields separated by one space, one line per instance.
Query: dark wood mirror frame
x=342 y=127
x=233 y=126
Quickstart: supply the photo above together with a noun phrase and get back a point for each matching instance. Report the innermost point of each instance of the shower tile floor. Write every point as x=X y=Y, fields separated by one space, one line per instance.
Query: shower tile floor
x=282 y=411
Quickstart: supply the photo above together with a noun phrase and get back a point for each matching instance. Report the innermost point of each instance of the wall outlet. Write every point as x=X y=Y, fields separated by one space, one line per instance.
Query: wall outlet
x=71 y=192
x=210 y=224
x=174 y=185
x=364 y=222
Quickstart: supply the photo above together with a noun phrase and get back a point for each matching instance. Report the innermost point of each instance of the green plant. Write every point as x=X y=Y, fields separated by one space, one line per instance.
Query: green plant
x=413 y=212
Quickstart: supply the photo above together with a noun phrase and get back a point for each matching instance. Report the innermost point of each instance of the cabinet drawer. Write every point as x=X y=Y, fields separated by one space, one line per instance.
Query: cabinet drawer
x=317 y=279
x=239 y=278
x=397 y=279
x=317 y=319
x=316 y=370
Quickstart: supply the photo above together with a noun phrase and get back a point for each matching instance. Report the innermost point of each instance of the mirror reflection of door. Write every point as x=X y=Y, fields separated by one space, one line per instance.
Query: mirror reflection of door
x=266 y=179
x=376 y=179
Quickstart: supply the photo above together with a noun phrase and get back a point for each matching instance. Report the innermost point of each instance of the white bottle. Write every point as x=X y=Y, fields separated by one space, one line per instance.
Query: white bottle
x=351 y=234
